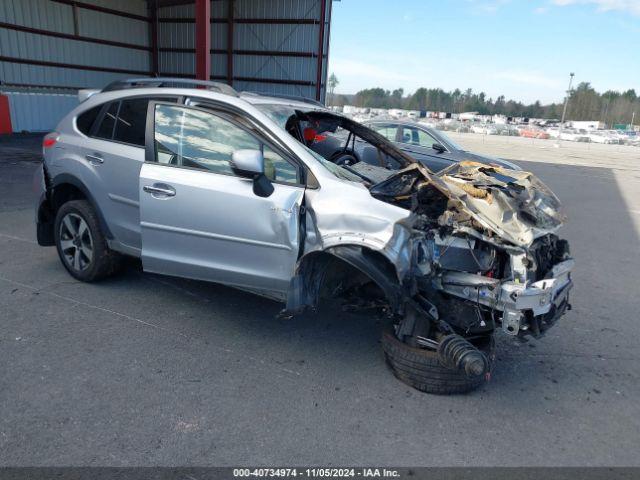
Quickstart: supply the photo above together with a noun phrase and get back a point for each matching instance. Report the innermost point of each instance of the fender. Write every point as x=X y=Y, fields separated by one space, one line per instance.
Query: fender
x=64 y=178
x=304 y=288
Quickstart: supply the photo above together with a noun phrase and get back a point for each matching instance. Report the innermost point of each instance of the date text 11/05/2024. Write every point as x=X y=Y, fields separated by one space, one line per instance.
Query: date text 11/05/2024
x=315 y=472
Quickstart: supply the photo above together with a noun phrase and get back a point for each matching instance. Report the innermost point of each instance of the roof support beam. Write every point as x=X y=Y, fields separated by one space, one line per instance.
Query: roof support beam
x=231 y=7
x=153 y=33
x=203 y=39
x=323 y=10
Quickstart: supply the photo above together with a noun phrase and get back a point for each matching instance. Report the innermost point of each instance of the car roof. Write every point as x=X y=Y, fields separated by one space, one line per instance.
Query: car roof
x=291 y=101
x=196 y=88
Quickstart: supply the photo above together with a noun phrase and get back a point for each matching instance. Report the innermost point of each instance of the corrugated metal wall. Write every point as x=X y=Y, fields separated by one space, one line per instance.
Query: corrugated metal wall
x=38 y=112
x=274 y=47
x=49 y=49
x=57 y=46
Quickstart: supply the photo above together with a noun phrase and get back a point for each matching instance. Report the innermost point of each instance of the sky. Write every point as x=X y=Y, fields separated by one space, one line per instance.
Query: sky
x=523 y=49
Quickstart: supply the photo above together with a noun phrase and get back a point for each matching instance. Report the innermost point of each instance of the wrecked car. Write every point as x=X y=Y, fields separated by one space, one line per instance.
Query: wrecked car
x=201 y=182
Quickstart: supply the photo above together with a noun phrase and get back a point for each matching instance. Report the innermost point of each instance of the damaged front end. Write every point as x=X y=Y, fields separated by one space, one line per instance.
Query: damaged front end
x=452 y=257
x=478 y=251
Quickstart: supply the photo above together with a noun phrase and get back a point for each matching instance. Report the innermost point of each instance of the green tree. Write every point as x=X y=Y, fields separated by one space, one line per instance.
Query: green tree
x=584 y=103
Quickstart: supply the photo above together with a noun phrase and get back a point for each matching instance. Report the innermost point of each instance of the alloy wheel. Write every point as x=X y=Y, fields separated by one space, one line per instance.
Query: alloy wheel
x=76 y=242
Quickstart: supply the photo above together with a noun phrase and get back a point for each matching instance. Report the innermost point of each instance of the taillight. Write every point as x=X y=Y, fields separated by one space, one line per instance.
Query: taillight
x=50 y=139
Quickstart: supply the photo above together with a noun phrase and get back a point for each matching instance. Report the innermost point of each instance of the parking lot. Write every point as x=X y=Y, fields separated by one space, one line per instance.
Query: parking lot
x=149 y=370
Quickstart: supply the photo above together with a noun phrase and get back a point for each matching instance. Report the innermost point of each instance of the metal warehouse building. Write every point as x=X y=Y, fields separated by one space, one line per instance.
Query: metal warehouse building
x=51 y=48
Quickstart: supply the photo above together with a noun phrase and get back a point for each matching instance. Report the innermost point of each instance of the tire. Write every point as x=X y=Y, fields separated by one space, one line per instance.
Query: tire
x=422 y=370
x=77 y=228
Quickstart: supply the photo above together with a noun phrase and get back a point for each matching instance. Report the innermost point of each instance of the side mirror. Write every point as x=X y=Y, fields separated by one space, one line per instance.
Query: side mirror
x=250 y=164
x=439 y=148
x=247 y=163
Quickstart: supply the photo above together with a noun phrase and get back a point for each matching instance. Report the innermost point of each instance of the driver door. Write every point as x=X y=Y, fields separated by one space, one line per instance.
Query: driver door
x=198 y=219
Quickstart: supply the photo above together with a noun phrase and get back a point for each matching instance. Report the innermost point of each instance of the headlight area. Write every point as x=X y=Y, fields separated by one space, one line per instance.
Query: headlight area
x=476 y=287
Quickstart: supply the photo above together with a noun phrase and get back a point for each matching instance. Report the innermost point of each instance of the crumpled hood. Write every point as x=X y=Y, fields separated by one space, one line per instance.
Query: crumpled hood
x=486 y=159
x=513 y=205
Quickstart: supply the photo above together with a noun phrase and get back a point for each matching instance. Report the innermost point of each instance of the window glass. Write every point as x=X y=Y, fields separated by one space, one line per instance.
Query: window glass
x=85 y=120
x=196 y=139
x=415 y=136
x=131 y=121
x=105 y=130
x=278 y=113
x=425 y=139
x=277 y=168
x=336 y=170
x=387 y=131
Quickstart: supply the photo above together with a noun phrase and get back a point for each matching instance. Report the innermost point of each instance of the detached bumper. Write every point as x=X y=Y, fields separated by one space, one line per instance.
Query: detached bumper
x=525 y=308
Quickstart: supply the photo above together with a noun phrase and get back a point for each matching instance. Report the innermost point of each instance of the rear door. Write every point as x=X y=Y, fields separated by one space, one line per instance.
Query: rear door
x=198 y=219
x=116 y=152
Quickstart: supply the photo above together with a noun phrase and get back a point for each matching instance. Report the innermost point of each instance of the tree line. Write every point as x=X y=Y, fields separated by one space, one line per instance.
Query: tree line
x=584 y=103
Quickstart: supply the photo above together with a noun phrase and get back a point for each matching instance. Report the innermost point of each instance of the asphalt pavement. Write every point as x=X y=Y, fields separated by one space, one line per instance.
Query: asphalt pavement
x=149 y=370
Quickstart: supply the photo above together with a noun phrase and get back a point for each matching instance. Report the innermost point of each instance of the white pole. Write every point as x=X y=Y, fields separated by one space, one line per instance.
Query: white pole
x=564 y=110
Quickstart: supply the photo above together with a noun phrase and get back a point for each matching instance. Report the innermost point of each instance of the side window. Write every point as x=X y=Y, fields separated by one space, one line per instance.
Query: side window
x=425 y=139
x=387 y=131
x=415 y=136
x=277 y=168
x=196 y=139
x=85 y=120
x=131 y=121
x=105 y=129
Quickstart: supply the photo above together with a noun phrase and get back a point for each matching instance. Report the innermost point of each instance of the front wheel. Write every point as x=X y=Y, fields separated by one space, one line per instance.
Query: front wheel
x=423 y=370
x=81 y=245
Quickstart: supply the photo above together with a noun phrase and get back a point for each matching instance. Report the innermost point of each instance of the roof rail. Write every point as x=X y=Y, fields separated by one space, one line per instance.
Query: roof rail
x=168 y=82
x=297 y=98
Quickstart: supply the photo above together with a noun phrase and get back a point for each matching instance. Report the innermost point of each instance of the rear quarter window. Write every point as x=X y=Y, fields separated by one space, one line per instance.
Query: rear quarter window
x=105 y=129
x=85 y=120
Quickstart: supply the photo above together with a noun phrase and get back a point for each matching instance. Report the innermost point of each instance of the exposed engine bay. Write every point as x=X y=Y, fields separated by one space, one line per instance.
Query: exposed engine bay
x=478 y=252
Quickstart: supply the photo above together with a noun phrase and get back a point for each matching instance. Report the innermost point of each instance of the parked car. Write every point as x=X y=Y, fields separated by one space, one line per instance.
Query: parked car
x=431 y=147
x=600 y=136
x=533 y=132
x=619 y=135
x=573 y=135
x=553 y=132
x=201 y=182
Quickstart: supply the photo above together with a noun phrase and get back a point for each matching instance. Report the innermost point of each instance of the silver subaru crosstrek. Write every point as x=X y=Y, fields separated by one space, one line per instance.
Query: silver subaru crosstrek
x=202 y=182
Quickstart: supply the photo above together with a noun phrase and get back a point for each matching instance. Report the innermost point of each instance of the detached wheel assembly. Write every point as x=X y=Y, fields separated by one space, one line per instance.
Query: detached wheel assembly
x=455 y=367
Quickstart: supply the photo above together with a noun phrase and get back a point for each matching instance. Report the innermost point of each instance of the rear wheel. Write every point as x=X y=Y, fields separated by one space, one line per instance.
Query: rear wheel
x=81 y=245
x=422 y=369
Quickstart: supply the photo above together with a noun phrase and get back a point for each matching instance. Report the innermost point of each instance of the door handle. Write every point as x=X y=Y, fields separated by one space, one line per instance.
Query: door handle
x=160 y=189
x=94 y=159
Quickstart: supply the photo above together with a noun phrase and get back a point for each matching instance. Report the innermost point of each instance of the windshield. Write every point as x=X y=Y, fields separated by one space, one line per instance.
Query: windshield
x=336 y=170
x=278 y=113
